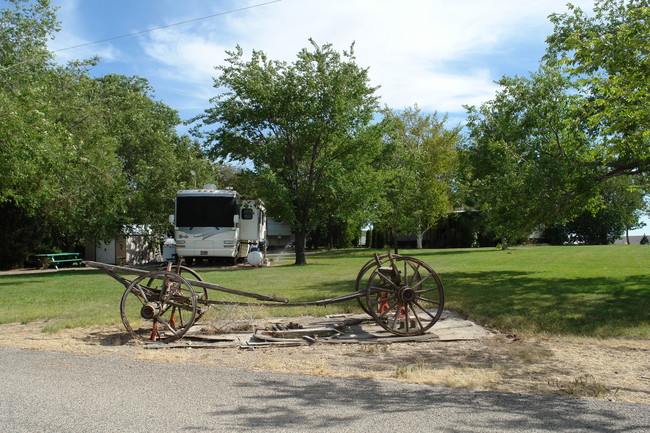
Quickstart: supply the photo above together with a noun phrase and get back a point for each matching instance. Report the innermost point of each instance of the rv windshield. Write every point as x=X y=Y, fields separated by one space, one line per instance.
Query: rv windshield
x=205 y=211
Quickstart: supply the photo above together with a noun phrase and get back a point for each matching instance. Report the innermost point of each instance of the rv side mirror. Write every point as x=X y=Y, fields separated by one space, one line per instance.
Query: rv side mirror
x=171 y=219
x=235 y=219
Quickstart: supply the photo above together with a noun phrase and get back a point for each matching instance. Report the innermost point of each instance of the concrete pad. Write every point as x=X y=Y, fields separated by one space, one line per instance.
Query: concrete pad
x=306 y=330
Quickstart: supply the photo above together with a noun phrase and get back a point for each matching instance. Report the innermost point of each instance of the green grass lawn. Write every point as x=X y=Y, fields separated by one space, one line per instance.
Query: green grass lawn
x=601 y=291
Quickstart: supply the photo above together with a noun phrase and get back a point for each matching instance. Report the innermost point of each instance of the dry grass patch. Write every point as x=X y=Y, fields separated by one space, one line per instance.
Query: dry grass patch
x=584 y=385
x=610 y=369
x=456 y=377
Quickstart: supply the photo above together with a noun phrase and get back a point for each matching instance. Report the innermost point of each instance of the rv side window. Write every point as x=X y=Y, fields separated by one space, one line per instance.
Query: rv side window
x=247 y=213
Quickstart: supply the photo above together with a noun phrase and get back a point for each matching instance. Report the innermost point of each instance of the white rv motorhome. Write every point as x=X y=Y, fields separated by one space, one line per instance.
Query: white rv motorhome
x=212 y=223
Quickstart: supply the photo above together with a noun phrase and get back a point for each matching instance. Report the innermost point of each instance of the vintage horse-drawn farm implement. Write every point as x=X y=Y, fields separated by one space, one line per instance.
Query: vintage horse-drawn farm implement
x=402 y=294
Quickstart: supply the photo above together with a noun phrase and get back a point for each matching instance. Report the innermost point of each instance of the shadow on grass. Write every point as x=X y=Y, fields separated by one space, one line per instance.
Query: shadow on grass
x=513 y=301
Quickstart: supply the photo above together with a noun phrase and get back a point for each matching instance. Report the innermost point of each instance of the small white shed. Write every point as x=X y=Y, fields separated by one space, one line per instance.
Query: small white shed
x=137 y=246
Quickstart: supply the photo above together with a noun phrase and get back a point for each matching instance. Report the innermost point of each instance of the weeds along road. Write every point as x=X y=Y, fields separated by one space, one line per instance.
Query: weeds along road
x=53 y=392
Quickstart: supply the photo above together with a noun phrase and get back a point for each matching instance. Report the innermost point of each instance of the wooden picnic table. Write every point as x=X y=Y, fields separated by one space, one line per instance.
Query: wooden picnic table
x=55 y=259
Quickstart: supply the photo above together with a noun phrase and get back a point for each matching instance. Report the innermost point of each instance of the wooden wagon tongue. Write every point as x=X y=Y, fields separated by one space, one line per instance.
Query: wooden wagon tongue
x=114 y=272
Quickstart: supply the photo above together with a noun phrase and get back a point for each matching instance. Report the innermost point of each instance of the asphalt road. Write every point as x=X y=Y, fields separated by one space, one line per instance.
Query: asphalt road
x=53 y=392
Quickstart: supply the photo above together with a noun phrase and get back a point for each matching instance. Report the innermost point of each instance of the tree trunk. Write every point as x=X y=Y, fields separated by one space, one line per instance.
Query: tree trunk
x=627 y=235
x=301 y=259
x=419 y=240
x=330 y=233
x=419 y=236
x=395 y=247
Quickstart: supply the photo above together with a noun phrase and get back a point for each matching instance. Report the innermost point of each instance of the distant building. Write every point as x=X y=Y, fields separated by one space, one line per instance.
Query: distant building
x=634 y=240
x=137 y=246
x=278 y=233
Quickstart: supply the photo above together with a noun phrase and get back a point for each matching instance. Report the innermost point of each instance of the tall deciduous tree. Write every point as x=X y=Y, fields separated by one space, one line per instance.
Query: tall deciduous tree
x=607 y=57
x=543 y=148
x=297 y=123
x=420 y=171
x=528 y=155
x=24 y=61
x=79 y=156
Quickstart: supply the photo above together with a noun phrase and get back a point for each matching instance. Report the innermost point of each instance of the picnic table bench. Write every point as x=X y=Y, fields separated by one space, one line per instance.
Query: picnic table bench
x=55 y=259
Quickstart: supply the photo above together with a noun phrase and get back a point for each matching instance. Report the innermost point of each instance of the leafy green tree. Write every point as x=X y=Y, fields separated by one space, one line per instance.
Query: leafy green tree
x=24 y=60
x=35 y=152
x=420 y=171
x=153 y=159
x=619 y=212
x=298 y=124
x=541 y=151
x=528 y=156
x=607 y=57
x=352 y=187
x=79 y=156
x=25 y=27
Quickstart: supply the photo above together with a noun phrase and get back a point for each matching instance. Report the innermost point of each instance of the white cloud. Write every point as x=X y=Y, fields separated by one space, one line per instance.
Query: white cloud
x=412 y=47
x=188 y=56
x=438 y=54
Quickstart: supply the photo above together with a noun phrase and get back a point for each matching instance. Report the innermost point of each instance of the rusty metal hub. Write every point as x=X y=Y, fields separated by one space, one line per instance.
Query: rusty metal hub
x=150 y=310
x=406 y=294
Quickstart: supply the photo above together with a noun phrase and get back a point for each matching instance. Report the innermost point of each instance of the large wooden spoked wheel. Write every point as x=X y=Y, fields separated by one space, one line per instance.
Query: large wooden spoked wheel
x=163 y=309
x=403 y=295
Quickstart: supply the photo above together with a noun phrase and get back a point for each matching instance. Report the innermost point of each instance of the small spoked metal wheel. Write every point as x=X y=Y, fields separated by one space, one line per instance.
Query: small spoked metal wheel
x=159 y=306
x=403 y=295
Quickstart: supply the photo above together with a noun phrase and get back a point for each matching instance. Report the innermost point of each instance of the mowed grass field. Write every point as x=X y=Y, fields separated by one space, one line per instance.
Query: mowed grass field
x=599 y=291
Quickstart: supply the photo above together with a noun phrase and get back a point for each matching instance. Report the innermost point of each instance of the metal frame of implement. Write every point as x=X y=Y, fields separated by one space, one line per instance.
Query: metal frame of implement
x=403 y=295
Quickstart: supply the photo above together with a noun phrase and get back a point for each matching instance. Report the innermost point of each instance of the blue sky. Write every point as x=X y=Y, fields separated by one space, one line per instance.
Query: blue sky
x=438 y=54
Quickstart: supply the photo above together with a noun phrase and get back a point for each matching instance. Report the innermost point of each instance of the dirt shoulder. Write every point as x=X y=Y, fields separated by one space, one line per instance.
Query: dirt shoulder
x=611 y=370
